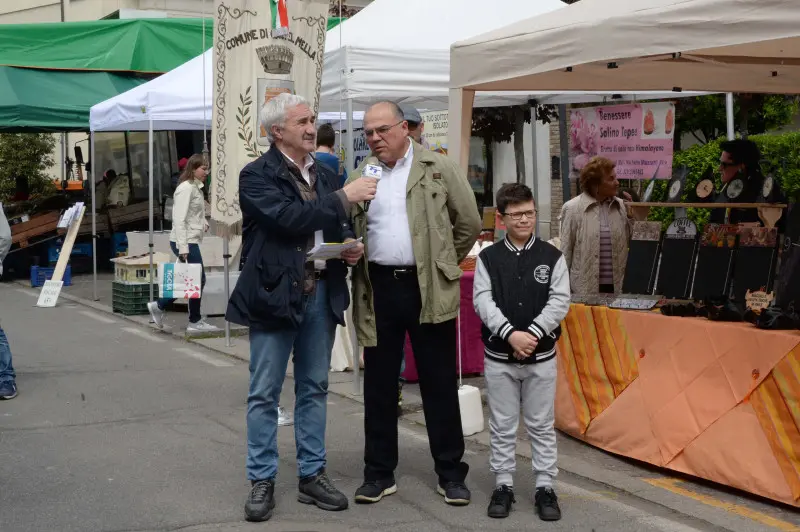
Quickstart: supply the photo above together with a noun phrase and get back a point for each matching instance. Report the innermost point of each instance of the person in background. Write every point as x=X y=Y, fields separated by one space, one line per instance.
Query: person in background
x=326 y=152
x=521 y=294
x=420 y=226
x=416 y=127
x=188 y=226
x=176 y=177
x=8 y=378
x=290 y=304
x=739 y=159
x=595 y=231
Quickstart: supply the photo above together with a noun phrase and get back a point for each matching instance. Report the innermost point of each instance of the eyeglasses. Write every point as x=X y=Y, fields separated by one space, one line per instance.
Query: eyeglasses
x=518 y=215
x=381 y=131
x=726 y=164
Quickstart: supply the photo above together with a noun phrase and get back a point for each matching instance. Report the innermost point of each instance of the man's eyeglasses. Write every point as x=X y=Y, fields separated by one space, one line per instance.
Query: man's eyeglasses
x=381 y=131
x=726 y=164
x=516 y=216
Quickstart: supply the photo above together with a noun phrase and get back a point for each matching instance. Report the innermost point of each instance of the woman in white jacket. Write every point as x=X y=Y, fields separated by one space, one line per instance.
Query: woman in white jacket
x=188 y=226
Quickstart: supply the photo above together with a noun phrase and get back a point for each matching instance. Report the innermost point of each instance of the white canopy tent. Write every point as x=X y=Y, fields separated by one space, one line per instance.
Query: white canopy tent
x=600 y=45
x=178 y=100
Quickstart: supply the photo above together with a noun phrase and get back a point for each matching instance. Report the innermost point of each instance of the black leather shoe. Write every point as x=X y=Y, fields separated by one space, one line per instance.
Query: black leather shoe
x=320 y=491
x=261 y=501
x=454 y=493
x=372 y=491
x=500 y=504
x=547 y=504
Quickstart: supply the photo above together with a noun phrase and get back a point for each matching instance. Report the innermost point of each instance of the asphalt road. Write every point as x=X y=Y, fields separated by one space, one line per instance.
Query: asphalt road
x=118 y=428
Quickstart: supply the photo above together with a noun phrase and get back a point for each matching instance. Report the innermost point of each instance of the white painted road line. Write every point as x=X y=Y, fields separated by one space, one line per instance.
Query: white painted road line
x=27 y=292
x=97 y=317
x=143 y=334
x=220 y=363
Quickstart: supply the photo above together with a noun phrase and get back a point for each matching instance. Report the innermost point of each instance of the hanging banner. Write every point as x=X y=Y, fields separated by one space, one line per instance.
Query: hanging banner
x=262 y=48
x=434 y=136
x=637 y=137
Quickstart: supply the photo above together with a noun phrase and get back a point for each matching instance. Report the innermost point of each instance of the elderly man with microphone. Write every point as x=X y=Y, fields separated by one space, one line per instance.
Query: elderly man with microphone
x=420 y=225
x=292 y=305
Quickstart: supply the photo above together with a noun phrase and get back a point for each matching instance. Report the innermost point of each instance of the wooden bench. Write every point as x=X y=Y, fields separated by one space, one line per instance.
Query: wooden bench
x=39 y=225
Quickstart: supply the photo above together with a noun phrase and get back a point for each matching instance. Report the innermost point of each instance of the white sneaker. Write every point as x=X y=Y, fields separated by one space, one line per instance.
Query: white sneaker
x=157 y=314
x=284 y=418
x=202 y=326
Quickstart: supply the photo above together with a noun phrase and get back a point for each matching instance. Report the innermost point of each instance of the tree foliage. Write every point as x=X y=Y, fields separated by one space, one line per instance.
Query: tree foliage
x=29 y=156
x=704 y=116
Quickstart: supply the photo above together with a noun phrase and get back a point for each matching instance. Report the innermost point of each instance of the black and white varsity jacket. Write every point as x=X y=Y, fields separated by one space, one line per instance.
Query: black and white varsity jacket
x=521 y=290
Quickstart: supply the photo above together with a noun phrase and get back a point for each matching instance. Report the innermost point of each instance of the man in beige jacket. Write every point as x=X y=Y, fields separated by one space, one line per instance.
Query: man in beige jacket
x=421 y=224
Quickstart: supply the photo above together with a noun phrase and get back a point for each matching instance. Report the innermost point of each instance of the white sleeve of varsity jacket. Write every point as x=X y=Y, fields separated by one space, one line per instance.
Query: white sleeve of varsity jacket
x=487 y=310
x=557 y=302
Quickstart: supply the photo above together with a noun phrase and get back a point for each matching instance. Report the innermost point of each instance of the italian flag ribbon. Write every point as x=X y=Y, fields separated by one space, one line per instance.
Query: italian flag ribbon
x=280 y=18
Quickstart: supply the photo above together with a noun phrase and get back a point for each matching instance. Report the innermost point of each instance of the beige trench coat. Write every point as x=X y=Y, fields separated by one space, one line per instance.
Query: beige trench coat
x=580 y=242
x=444 y=223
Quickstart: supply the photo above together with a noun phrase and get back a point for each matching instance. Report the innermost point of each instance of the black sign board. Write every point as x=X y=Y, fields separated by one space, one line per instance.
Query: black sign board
x=677 y=258
x=640 y=270
x=715 y=261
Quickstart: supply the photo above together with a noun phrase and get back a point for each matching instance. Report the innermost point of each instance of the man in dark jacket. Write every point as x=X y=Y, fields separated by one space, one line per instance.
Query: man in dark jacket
x=292 y=305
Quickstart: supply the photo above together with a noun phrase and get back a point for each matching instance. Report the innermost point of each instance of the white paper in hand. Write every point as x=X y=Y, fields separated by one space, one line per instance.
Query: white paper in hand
x=327 y=251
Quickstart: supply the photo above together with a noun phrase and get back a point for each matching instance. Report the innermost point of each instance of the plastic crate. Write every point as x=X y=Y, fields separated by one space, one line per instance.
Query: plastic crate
x=40 y=274
x=131 y=299
x=78 y=249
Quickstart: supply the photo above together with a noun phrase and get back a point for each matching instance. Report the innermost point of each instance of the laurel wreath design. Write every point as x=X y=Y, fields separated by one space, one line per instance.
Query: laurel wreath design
x=245 y=130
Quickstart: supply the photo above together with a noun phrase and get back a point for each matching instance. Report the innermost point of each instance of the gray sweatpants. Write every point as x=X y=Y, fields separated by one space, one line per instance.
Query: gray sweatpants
x=534 y=387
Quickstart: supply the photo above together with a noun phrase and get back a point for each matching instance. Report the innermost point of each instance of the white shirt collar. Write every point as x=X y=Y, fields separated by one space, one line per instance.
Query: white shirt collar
x=402 y=161
x=307 y=161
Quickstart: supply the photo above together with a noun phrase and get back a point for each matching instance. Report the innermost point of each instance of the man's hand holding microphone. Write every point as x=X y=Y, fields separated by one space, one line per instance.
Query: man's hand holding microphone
x=362 y=189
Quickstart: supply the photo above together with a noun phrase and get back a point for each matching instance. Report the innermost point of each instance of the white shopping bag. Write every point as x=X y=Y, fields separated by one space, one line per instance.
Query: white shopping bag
x=179 y=280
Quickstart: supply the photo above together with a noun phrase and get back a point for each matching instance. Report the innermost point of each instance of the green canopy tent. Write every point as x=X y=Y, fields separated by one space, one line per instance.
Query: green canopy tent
x=41 y=101
x=150 y=46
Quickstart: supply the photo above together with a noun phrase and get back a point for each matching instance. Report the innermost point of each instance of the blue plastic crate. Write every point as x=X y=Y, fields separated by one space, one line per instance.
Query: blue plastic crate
x=79 y=249
x=40 y=274
x=119 y=244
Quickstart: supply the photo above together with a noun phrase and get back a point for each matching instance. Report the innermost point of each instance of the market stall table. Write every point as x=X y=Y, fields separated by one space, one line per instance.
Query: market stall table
x=470 y=335
x=676 y=392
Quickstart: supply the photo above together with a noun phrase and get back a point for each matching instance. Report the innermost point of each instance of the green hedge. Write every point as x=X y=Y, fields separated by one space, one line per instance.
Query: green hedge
x=776 y=150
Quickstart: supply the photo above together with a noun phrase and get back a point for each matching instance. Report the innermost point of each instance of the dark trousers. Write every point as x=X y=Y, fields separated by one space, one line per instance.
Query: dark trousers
x=397 y=310
x=194 y=304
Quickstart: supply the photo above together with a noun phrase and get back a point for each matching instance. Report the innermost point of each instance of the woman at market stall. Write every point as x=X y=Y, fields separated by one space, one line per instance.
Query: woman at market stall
x=741 y=181
x=188 y=226
x=595 y=231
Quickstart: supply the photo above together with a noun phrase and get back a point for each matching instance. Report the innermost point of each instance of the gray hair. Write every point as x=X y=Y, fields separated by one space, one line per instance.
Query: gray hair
x=274 y=111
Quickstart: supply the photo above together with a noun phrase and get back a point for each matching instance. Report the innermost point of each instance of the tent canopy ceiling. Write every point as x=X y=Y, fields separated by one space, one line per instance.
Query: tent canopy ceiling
x=37 y=101
x=373 y=54
x=178 y=100
x=607 y=45
x=136 y=45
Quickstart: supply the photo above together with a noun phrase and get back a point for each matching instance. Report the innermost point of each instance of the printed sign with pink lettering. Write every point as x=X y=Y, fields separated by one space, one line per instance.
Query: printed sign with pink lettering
x=637 y=137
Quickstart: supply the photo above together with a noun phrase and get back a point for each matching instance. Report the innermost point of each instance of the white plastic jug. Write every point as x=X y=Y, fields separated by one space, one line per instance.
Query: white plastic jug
x=469 y=402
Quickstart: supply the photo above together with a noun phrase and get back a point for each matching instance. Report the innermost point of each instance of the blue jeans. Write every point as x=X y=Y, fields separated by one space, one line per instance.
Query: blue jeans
x=310 y=345
x=194 y=304
x=6 y=368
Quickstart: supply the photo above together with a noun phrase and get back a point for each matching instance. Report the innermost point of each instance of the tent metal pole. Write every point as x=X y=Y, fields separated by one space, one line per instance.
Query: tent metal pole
x=94 y=218
x=350 y=162
x=150 y=199
x=729 y=115
x=535 y=163
x=564 y=149
x=226 y=257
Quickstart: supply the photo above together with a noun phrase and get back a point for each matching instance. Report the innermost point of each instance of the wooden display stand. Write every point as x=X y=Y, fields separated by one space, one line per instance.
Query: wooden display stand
x=48 y=297
x=769 y=213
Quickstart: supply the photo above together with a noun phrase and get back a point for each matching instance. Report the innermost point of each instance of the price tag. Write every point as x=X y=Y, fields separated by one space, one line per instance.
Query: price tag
x=49 y=294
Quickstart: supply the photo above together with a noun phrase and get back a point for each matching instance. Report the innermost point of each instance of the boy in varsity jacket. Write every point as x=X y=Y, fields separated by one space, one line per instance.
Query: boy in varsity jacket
x=521 y=295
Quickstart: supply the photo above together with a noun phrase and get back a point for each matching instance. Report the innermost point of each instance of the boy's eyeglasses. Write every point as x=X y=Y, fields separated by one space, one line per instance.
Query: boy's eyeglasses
x=516 y=216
